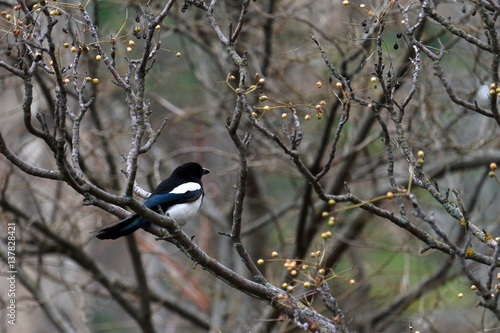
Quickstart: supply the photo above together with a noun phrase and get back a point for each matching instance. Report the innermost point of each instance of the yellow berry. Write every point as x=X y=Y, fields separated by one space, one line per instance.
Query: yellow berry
x=262 y=98
x=352 y=281
x=338 y=85
x=262 y=81
x=345 y=2
x=492 y=92
x=321 y=271
x=331 y=221
x=390 y=195
x=158 y=27
x=473 y=287
x=460 y=295
x=98 y=57
x=88 y=79
x=332 y=202
x=129 y=49
x=95 y=81
x=66 y=45
x=232 y=77
x=254 y=114
x=325 y=214
x=362 y=6
x=493 y=85
x=319 y=116
x=318 y=253
x=66 y=81
x=266 y=108
x=293 y=272
x=284 y=115
x=137 y=29
x=491 y=174
x=373 y=79
x=178 y=54
x=260 y=262
x=307 y=117
x=274 y=254
x=421 y=154
x=307 y=284
x=284 y=285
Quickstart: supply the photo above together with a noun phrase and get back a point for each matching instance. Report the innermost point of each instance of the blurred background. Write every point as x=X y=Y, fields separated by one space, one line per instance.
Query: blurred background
x=381 y=278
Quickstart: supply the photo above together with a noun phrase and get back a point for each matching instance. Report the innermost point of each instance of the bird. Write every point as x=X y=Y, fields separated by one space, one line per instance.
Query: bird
x=179 y=196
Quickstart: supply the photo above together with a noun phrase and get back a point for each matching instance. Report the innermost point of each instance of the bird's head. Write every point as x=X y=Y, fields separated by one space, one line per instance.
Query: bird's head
x=191 y=168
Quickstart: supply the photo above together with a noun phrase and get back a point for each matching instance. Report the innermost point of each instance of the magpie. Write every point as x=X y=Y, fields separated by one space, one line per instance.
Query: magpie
x=179 y=196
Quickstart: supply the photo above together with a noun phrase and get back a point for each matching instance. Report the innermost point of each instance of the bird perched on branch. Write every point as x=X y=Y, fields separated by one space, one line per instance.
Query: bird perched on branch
x=179 y=196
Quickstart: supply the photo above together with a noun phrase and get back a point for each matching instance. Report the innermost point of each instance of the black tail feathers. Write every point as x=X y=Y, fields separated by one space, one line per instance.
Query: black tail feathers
x=122 y=228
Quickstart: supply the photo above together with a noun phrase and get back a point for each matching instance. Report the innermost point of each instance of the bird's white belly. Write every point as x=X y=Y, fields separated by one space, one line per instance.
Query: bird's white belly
x=183 y=213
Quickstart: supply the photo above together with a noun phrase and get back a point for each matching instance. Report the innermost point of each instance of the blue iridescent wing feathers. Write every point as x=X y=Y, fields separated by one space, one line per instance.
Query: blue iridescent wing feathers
x=169 y=199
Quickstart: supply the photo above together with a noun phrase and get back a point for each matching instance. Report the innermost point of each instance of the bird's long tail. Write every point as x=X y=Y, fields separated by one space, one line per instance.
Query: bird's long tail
x=122 y=228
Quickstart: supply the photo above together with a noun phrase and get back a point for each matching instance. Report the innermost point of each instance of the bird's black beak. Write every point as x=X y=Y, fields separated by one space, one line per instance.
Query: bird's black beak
x=205 y=171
